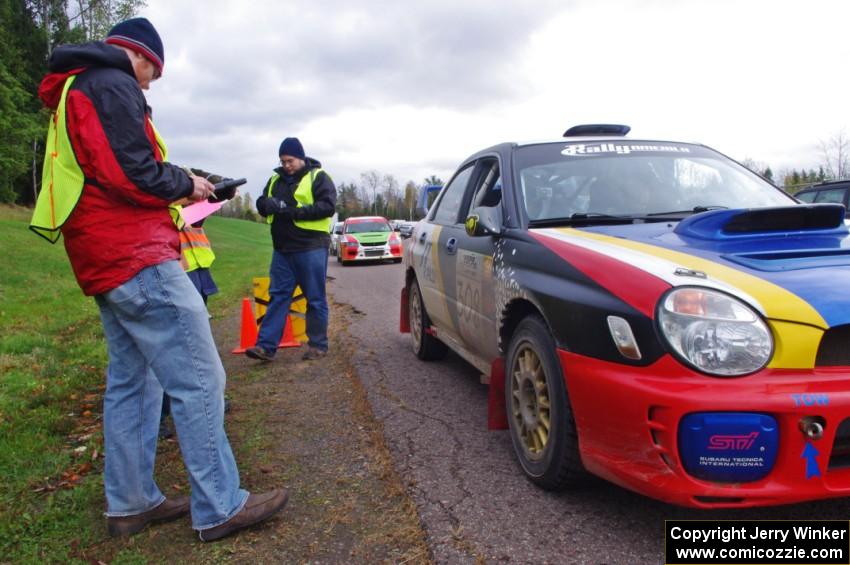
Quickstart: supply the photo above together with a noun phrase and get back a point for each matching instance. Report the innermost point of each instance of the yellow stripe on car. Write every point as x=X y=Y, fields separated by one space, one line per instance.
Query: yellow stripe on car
x=797 y=326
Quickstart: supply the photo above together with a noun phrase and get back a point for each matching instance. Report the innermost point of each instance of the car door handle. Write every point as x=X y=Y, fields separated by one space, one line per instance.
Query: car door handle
x=451 y=245
x=422 y=237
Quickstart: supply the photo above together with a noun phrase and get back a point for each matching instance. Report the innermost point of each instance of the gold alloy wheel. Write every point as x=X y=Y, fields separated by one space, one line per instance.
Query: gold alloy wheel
x=530 y=405
x=415 y=314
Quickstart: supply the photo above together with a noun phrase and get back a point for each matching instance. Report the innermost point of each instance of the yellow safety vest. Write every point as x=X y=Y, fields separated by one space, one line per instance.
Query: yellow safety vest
x=304 y=197
x=195 y=249
x=62 y=178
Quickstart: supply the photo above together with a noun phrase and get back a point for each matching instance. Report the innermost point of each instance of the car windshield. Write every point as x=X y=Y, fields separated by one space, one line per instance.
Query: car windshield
x=367 y=226
x=612 y=179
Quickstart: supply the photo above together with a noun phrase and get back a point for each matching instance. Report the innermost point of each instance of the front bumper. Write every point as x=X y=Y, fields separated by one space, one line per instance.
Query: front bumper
x=369 y=253
x=628 y=420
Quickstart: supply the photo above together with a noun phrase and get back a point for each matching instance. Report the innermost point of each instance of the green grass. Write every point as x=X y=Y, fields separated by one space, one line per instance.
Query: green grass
x=52 y=370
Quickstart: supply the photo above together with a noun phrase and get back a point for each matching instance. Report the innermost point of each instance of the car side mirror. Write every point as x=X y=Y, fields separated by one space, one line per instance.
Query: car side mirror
x=421 y=209
x=484 y=221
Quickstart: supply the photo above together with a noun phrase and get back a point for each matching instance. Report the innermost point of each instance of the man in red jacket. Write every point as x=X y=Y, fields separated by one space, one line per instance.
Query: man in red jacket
x=108 y=188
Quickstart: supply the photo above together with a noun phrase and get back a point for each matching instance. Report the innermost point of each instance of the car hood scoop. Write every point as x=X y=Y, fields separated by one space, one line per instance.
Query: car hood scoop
x=773 y=239
x=719 y=225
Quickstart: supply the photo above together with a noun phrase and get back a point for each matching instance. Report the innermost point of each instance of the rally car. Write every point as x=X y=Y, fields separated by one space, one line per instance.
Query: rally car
x=650 y=312
x=367 y=238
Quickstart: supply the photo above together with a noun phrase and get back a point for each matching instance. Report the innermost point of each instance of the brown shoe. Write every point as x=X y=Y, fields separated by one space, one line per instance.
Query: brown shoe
x=165 y=512
x=259 y=353
x=314 y=353
x=257 y=508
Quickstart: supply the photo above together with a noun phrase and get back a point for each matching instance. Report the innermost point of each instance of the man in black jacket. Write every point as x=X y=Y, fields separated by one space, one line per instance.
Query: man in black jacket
x=298 y=202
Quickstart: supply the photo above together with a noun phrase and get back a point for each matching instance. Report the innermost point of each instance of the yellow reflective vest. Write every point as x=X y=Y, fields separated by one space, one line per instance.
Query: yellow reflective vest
x=304 y=197
x=195 y=249
x=62 y=178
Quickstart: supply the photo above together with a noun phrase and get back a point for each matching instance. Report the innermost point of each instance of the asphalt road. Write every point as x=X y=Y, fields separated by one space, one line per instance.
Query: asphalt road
x=473 y=500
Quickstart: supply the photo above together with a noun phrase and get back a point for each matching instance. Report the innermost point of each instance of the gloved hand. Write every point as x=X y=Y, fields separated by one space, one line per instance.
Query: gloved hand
x=269 y=206
x=275 y=205
x=289 y=212
x=263 y=207
x=225 y=194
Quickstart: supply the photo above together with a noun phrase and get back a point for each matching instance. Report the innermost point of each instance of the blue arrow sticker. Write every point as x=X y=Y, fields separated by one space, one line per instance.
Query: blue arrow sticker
x=810 y=455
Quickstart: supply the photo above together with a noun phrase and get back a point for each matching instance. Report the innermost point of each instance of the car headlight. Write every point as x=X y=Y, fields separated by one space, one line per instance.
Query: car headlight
x=714 y=332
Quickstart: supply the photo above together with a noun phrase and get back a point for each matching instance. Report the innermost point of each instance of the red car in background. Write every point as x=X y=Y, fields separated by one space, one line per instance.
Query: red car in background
x=368 y=238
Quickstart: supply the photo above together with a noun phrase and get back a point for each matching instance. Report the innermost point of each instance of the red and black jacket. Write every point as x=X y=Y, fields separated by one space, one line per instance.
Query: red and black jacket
x=121 y=223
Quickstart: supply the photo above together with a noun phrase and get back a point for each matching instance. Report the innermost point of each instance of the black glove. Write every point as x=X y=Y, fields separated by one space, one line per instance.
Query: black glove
x=275 y=205
x=271 y=205
x=225 y=193
x=289 y=212
x=263 y=207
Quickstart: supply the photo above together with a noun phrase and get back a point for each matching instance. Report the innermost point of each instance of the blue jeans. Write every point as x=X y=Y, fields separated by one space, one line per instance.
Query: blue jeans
x=158 y=337
x=307 y=269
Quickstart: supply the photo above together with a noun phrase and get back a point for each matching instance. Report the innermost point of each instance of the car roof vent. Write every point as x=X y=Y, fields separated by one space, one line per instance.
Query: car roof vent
x=597 y=129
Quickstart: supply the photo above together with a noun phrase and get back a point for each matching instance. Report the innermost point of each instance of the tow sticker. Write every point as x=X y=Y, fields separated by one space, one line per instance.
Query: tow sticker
x=801 y=399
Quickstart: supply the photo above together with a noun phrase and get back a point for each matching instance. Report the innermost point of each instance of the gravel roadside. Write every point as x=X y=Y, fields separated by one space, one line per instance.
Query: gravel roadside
x=308 y=426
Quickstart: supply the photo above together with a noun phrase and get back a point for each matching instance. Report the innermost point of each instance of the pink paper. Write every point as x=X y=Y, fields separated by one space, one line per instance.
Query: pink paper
x=199 y=210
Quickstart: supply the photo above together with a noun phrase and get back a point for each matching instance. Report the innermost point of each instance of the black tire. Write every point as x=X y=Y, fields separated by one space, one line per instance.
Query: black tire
x=542 y=426
x=425 y=346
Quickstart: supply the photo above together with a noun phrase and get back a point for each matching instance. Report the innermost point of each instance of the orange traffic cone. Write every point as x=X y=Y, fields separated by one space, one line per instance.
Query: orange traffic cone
x=288 y=340
x=248 y=332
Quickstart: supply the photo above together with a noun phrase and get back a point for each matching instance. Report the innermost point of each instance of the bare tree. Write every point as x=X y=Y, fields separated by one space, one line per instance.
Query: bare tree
x=835 y=153
x=758 y=167
x=98 y=16
x=81 y=20
x=371 y=180
x=391 y=193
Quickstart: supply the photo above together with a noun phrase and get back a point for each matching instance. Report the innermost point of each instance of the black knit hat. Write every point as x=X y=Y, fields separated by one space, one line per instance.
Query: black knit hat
x=139 y=35
x=292 y=147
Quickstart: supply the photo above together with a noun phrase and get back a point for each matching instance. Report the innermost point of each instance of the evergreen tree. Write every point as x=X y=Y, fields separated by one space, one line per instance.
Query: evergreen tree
x=18 y=127
x=347 y=201
x=411 y=192
x=29 y=29
x=434 y=179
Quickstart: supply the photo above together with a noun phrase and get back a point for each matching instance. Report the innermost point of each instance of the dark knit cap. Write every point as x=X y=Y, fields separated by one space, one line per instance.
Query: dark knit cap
x=139 y=35
x=292 y=147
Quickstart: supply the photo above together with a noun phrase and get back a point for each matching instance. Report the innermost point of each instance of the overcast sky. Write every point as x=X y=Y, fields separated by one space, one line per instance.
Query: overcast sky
x=413 y=88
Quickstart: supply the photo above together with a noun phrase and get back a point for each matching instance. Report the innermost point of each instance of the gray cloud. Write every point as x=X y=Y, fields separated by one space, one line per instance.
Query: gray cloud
x=244 y=75
x=413 y=88
x=288 y=70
